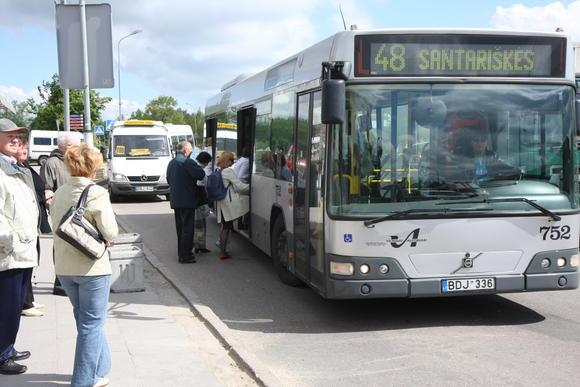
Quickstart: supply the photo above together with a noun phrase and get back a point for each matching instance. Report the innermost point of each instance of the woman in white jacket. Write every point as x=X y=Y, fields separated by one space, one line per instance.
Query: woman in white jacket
x=234 y=205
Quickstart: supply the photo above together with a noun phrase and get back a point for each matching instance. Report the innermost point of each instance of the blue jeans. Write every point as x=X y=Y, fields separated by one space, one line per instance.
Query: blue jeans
x=89 y=297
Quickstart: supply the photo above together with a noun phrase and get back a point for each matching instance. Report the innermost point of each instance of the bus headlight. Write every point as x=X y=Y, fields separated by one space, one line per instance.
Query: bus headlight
x=561 y=262
x=574 y=260
x=341 y=268
x=364 y=269
x=546 y=263
x=383 y=269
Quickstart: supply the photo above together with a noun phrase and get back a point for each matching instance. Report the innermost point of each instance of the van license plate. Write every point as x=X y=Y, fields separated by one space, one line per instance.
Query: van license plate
x=467 y=284
x=141 y=189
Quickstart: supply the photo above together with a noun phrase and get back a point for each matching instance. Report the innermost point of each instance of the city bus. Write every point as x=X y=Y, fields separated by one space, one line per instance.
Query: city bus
x=422 y=163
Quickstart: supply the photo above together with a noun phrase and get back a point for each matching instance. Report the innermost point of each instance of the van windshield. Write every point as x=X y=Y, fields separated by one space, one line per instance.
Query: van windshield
x=140 y=146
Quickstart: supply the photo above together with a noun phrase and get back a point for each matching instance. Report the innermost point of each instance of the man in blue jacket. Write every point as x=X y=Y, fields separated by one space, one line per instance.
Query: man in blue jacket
x=182 y=176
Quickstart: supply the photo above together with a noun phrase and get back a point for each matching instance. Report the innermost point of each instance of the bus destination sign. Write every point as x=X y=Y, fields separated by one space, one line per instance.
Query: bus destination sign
x=459 y=55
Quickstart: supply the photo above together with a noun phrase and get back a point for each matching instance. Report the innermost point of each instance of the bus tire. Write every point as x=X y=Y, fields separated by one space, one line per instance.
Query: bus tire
x=42 y=159
x=279 y=252
x=114 y=198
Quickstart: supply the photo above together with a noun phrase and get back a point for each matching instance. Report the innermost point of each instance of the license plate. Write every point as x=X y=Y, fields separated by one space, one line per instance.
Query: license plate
x=467 y=284
x=145 y=188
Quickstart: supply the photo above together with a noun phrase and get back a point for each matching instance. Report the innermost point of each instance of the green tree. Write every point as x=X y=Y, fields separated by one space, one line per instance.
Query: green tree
x=162 y=108
x=23 y=115
x=196 y=121
x=51 y=108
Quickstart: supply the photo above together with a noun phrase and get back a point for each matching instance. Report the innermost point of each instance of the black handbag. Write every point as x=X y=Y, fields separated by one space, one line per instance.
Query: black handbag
x=79 y=232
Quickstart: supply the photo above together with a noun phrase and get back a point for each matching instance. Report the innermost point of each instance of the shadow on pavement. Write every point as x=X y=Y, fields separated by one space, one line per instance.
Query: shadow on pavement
x=37 y=380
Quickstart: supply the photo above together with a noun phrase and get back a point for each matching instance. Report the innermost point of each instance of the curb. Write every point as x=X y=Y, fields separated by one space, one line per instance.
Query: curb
x=243 y=358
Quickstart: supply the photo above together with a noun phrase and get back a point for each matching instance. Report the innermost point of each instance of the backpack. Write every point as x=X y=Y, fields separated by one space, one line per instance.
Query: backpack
x=214 y=186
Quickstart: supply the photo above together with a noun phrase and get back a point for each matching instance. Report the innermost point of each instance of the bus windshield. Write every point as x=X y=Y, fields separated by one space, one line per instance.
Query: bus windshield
x=429 y=146
x=140 y=146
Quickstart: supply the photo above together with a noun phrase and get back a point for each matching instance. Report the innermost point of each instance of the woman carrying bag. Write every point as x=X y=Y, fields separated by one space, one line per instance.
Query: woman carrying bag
x=86 y=280
x=235 y=204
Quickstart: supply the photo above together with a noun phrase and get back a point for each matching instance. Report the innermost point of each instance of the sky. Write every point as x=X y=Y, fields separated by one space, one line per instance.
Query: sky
x=189 y=48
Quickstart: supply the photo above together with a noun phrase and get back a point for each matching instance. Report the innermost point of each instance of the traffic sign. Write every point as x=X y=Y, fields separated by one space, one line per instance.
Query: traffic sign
x=109 y=125
x=99 y=130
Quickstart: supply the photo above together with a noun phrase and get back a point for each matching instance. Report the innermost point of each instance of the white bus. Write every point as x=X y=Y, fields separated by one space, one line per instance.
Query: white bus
x=423 y=163
x=139 y=152
x=42 y=142
x=178 y=133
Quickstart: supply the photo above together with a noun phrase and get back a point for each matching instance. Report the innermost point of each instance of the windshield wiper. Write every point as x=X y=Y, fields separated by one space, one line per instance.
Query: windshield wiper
x=532 y=203
x=398 y=214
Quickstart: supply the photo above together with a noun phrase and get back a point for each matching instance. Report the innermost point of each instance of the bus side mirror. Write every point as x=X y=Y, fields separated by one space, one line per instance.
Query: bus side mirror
x=333 y=101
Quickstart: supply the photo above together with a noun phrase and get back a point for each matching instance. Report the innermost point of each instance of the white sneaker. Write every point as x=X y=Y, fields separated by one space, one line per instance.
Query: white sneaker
x=101 y=382
x=32 y=312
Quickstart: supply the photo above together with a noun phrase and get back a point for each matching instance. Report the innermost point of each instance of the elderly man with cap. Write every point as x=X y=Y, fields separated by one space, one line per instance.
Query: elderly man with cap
x=18 y=233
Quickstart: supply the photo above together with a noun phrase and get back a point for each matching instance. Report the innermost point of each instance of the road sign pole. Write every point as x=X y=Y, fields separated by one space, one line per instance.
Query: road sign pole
x=86 y=89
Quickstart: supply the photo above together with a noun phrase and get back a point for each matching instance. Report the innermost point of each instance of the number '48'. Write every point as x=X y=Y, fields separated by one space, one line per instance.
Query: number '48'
x=394 y=62
x=555 y=232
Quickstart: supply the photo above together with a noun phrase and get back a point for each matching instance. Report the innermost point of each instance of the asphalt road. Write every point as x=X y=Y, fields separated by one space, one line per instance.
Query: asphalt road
x=303 y=340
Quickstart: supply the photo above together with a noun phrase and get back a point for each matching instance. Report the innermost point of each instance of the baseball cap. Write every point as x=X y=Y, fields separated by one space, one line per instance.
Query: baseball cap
x=7 y=125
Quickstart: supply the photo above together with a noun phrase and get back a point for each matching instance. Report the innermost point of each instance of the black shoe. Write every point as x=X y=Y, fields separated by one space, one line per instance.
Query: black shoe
x=202 y=251
x=58 y=291
x=8 y=367
x=20 y=355
x=187 y=260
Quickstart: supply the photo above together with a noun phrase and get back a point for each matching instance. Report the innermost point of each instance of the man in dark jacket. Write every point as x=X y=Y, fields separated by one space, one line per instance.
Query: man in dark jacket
x=54 y=174
x=182 y=176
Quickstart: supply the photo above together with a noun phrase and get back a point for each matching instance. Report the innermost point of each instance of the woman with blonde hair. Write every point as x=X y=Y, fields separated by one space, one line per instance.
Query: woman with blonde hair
x=234 y=205
x=86 y=281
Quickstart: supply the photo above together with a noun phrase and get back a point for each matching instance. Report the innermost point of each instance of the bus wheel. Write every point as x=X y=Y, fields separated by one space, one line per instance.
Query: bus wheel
x=280 y=254
x=114 y=198
x=42 y=160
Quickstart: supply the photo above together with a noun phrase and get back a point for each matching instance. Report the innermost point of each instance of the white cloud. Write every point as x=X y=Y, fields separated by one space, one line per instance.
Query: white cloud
x=13 y=93
x=111 y=111
x=546 y=18
x=188 y=49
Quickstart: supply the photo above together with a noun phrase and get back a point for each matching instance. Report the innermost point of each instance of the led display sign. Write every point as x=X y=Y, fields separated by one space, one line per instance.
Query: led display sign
x=459 y=55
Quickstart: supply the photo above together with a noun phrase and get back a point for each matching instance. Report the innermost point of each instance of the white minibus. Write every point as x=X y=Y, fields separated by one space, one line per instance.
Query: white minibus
x=139 y=152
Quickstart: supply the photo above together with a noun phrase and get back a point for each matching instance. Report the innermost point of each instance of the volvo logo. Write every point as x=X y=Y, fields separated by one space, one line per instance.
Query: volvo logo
x=467 y=262
x=143 y=177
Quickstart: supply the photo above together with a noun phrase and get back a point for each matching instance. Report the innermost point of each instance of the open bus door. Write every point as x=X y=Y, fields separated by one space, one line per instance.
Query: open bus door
x=246 y=119
x=308 y=191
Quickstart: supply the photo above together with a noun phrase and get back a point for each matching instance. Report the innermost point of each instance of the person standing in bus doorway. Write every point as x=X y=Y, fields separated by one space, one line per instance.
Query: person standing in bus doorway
x=234 y=205
x=202 y=211
x=55 y=175
x=43 y=195
x=18 y=234
x=182 y=176
x=242 y=165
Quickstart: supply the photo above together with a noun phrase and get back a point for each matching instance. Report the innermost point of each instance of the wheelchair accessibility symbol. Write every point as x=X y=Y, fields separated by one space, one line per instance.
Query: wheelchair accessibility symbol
x=348 y=238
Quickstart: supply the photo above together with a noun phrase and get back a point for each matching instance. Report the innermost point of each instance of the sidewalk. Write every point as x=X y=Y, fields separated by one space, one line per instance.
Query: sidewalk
x=155 y=340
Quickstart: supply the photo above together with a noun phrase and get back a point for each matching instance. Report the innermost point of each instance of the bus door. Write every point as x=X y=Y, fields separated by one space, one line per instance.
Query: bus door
x=246 y=120
x=210 y=132
x=308 y=191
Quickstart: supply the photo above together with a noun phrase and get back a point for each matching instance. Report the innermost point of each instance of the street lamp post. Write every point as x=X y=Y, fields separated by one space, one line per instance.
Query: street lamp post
x=119 y=67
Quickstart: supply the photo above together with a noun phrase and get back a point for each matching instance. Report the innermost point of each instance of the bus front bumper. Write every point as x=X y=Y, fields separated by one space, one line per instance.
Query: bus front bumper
x=431 y=287
x=129 y=188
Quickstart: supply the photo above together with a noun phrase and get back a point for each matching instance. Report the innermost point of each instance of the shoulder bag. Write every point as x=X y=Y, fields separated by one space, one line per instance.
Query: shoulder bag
x=79 y=232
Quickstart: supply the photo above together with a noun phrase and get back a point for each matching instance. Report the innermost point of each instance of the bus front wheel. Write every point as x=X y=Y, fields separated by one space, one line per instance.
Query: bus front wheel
x=280 y=253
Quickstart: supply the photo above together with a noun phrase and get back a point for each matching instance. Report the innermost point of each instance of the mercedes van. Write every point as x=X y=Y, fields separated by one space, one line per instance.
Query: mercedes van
x=139 y=151
x=42 y=142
